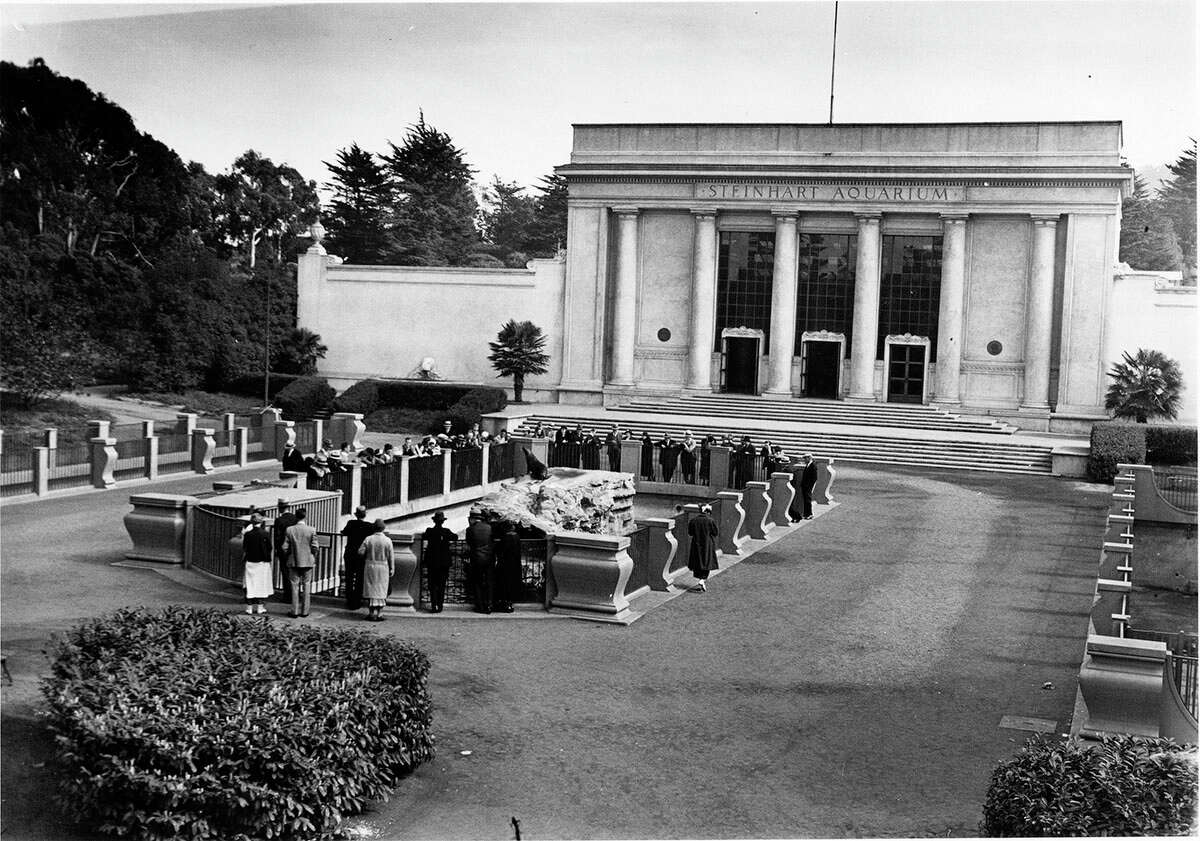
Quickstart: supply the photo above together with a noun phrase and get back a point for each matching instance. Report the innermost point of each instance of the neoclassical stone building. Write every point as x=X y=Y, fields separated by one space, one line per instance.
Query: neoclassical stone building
x=966 y=265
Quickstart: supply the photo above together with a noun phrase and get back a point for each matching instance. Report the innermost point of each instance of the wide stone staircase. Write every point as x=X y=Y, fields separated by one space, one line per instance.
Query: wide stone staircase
x=938 y=446
x=894 y=415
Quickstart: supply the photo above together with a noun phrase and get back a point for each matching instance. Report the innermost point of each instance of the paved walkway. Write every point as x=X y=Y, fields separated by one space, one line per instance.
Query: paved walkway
x=847 y=681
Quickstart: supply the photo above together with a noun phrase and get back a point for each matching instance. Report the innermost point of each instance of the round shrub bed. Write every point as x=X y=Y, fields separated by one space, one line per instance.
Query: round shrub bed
x=184 y=723
x=1123 y=785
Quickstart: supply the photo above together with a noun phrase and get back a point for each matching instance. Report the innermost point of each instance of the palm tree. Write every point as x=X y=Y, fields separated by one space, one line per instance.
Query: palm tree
x=517 y=351
x=302 y=349
x=1144 y=386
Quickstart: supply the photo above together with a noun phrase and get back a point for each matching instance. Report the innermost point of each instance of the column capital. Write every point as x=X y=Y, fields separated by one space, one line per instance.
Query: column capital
x=868 y=217
x=703 y=211
x=954 y=218
x=1047 y=219
x=626 y=210
x=785 y=214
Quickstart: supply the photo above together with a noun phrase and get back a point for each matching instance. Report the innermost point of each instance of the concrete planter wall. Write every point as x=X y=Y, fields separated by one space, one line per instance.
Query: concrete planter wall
x=823 y=490
x=757 y=505
x=1121 y=681
x=406 y=583
x=781 y=493
x=590 y=575
x=157 y=526
x=730 y=518
x=662 y=547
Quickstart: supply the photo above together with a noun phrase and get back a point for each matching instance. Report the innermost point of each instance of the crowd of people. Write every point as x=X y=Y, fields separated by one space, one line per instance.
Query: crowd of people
x=329 y=459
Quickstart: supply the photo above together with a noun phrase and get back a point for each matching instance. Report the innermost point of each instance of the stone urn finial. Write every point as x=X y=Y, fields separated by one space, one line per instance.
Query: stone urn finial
x=317 y=231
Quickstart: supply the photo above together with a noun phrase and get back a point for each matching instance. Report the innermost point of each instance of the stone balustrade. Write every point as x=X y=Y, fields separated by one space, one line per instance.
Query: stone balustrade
x=757 y=505
x=157 y=525
x=590 y=573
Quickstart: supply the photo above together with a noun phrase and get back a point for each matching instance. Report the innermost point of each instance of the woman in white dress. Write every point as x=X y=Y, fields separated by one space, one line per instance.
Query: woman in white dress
x=378 y=567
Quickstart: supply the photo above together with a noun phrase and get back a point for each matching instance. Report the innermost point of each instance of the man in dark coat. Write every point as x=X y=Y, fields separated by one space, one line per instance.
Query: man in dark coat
x=668 y=456
x=283 y=521
x=612 y=443
x=702 y=537
x=808 y=482
x=483 y=561
x=355 y=531
x=647 y=457
x=743 y=463
x=508 y=568
x=293 y=459
x=436 y=557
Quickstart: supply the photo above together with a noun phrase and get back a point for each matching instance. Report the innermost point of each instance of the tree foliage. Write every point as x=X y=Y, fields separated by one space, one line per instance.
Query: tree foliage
x=519 y=351
x=356 y=218
x=1178 y=199
x=1145 y=385
x=1148 y=239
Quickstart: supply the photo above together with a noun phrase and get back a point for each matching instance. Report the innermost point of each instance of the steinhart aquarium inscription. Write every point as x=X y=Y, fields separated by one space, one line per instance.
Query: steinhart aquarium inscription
x=891 y=194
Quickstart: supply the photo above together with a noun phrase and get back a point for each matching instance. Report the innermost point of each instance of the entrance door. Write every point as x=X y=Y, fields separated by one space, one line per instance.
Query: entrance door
x=821 y=363
x=906 y=374
x=741 y=365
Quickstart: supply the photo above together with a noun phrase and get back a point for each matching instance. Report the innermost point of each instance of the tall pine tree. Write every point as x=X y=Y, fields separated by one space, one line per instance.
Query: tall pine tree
x=1147 y=238
x=550 y=227
x=356 y=219
x=1178 y=200
x=434 y=218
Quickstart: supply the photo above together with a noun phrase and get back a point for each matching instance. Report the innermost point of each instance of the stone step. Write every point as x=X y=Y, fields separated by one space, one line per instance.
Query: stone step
x=820 y=411
x=999 y=456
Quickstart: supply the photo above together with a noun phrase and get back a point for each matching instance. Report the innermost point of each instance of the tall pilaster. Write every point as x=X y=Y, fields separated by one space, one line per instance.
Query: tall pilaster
x=704 y=301
x=950 y=313
x=783 y=307
x=866 y=308
x=625 y=297
x=1039 y=308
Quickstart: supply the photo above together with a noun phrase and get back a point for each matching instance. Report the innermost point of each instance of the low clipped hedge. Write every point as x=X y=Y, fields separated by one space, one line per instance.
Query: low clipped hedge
x=361 y=398
x=185 y=723
x=1167 y=445
x=1115 y=443
x=1123 y=785
x=251 y=385
x=304 y=398
x=421 y=394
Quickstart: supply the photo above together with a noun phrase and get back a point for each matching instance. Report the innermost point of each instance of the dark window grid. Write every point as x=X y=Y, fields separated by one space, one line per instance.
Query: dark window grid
x=910 y=289
x=825 y=293
x=746 y=262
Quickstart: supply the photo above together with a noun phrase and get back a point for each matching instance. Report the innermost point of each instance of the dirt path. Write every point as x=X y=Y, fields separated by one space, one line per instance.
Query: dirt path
x=847 y=681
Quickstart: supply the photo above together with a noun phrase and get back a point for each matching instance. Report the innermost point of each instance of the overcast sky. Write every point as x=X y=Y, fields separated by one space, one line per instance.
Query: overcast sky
x=506 y=80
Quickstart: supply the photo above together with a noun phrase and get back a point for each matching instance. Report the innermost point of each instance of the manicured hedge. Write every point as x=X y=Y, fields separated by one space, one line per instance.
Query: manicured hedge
x=1115 y=443
x=361 y=398
x=304 y=398
x=1123 y=785
x=252 y=385
x=199 y=724
x=420 y=394
x=1170 y=444
x=473 y=404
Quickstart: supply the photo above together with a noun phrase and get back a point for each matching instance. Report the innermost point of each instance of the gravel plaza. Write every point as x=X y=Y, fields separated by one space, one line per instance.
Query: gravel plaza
x=848 y=680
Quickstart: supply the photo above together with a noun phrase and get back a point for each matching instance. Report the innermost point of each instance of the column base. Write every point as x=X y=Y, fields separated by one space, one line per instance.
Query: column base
x=1040 y=408
x=861 y=398
x=778 y=395
x=698 y=390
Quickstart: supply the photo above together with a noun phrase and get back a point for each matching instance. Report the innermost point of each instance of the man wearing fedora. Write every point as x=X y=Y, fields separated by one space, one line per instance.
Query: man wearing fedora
x=436 y=556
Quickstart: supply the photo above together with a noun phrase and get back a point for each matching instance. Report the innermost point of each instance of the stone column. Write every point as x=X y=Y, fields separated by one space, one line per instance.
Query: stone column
x=624 y=323
x=950 y=313
x=783 y=307
x=1039 y=308
x=704 y=301
x=866 y=308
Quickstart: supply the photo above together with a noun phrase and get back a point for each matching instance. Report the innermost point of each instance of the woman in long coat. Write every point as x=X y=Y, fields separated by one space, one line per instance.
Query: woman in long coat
x=378 y=567
x=687 y=458
x=702 y=534
x=647 y=457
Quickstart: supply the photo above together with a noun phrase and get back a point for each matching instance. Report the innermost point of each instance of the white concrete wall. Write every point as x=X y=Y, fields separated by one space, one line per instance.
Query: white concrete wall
x=381 y=321
x=1151 y=311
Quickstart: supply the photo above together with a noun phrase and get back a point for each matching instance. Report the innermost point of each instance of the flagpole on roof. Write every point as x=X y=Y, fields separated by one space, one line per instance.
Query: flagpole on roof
x=833 y=61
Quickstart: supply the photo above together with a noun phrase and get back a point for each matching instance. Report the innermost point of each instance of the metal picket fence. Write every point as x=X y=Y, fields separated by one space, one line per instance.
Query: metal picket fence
x=460 y=586
x=500 y=461
x=466 y=468
x=131 y=458
x=425 y=476
x=381 y=484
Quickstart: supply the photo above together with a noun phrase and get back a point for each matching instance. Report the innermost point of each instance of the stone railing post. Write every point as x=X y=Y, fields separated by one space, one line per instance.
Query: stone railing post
x=485 y=464
x=730 y=517
x=203 y=447
x=823 y=490
x=99 y=428
x=104 y=461
x=1111 y=597
x=157 y=525
x=319 y=432
x=51 y=444
x=1116 y=561
x=781 y=493
x=590 y=575
x=718 y=467
x=185 y=423
x=540 y=447
x=41 y=470
x=349 y=427
x=356 y=472
x=241 y=443
x=406 y=582
x=757 y=505
x=683 y=541
x=283 y=433
x=152 y=457
x=447 y=466
x=229 y=421
x=661 y=547
x=267 y=420
x=404 y=471
x=1121 y=681
x=631 y=459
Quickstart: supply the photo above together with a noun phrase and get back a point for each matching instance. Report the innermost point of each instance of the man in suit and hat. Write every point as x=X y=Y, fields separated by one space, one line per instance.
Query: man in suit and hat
x=808 y=483
x=436 y=557
x=293 y=459
x=302 y=548
x=355 y=532
x=283 y=521
x=483 y=561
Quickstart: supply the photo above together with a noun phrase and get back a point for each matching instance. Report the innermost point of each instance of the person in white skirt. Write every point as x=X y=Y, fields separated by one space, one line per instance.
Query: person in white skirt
x=378 y=567
x=256 y=553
